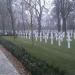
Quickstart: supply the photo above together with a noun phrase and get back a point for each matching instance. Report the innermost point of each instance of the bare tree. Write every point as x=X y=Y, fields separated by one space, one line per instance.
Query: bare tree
x=9 y=7
x=57 y=4
x=63 y=9
x=22 y=4
x=39 y=12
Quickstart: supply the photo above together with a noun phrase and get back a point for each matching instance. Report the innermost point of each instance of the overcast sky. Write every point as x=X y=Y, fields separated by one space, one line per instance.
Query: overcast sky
x=48 y=4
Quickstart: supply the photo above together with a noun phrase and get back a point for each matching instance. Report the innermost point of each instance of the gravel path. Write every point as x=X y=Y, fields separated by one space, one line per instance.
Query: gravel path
x=6 y=67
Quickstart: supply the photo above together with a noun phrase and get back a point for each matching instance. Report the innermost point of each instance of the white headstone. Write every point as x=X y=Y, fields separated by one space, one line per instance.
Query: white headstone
x=59 y=41
x=63 y=34
x=51 y=37
x=74 y=35
x=62 y=37
x=29 y=35
x=68 y=40
x=46 y=37
x=6 y=33
x=20 y=33
x=56 y=36
x=26 y=35
x=40 y=37
x=36 y=36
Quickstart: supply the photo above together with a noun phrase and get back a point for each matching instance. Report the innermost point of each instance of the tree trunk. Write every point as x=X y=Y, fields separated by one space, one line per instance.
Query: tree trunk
x=9 y=6
x=12 y=22
x=23 y=17
x=64 y=24
x=39 y=25
x=58 y=15
x=32 y=38
x=58 y=24
x=2 y=22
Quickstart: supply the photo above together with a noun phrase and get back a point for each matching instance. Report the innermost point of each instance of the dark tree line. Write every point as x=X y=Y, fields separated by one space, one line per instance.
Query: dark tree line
x=63 y=10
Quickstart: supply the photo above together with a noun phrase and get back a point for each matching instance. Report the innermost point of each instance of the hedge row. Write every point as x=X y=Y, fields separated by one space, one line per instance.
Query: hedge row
x=32 y=64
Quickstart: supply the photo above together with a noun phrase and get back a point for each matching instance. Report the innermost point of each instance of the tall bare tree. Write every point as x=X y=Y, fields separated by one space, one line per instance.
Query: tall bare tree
x=39 y=12
x=9 y=7
x=63 y=9
x=57 y=3
x=23 y=23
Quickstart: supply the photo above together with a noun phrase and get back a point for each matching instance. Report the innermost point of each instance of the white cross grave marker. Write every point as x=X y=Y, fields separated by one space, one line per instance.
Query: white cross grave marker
x=36 y=36
x=68 y=40
x=29 y=35
x=56 y=36
x=51 y=37
x=20 y=33
x=74 y=35
x=46 y=37
x=59 y=41
x=26 y=35
x=40 y=37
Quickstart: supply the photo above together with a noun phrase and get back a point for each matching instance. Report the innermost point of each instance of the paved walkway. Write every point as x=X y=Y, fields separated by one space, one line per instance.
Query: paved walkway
x=6 y=67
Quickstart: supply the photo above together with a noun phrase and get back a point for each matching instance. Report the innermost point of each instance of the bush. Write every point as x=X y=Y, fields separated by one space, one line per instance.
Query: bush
x=34 y=65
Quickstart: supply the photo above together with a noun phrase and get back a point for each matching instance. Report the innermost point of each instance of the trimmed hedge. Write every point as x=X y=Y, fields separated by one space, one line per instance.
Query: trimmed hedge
x=32 y=64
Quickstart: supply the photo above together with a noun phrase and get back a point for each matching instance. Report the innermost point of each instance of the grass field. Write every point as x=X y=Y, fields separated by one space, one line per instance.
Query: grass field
x=62 y=57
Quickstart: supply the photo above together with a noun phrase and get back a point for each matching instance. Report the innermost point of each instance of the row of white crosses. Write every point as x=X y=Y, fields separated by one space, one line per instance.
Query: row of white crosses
x=59 y=36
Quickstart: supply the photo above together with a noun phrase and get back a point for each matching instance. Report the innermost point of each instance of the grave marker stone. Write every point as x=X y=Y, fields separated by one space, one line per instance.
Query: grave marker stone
x=68 y=39
x=51 y=37
x=40 y=37
x=36 y=36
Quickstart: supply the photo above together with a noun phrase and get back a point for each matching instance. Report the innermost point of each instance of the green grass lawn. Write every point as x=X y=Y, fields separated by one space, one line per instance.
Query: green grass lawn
x=62 y=57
